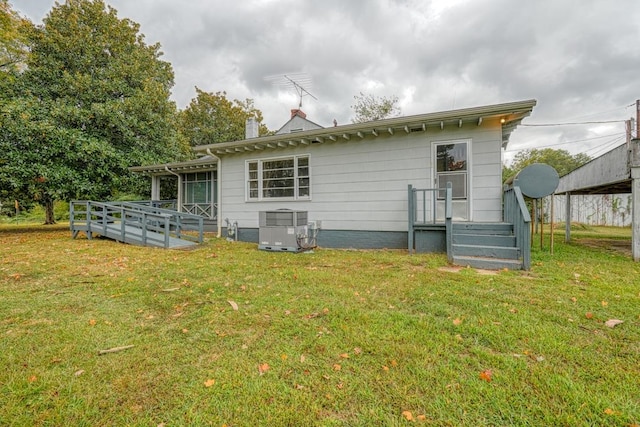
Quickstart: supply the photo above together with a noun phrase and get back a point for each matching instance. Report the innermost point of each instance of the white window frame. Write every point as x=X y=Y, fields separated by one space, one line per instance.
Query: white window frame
x=259 y=180
x=466 y=172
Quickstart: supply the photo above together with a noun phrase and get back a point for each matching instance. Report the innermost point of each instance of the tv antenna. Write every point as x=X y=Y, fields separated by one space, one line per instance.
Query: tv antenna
x=298 y=81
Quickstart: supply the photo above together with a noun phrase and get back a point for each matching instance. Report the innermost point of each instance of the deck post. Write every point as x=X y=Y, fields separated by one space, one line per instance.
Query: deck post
x=144 y=228
x=567 y=221
x=166 y=231
x=635 y=213
x=411 y=219
x=448 y=219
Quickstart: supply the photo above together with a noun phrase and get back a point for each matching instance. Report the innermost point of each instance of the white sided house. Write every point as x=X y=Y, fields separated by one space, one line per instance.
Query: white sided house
x=380 y=184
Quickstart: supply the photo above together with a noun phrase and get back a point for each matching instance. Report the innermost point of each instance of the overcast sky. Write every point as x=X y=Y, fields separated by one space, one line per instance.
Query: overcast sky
x=579 y=58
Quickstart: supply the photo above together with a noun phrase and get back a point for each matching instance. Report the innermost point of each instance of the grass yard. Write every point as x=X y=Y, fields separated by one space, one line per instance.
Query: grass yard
x=229 y=335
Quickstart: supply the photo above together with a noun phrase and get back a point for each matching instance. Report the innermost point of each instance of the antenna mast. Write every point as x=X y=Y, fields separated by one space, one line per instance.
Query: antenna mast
x=297 y=81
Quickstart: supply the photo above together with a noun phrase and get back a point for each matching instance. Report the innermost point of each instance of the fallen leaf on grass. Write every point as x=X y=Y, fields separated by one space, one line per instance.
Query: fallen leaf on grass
x=209 y=382
x=78 y=373
x=609 y=411
x=344 y=356
x=589 y=315
x=336 y=367
x=233 y=305
x=357 y=350
x=486 y=375
x=612 y=323
x=33 y=378
x=92 y=322
x=457 y=321
x=407 y=415
x=263 y=367
x=604 y=303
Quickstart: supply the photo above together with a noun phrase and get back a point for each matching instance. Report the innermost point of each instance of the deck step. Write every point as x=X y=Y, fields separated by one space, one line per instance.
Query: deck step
x=494 y=228
x=487 y=263
x=506 y=252
x=484 y=239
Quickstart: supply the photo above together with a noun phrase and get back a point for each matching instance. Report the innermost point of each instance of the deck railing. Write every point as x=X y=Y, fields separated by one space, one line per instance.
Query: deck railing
x=123 y=220
x=422 y=209
x=171 y=204
x=515 y=212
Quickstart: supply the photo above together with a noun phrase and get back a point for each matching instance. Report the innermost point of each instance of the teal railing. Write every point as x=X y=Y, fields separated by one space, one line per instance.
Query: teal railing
x=127 y=221
x=515 y=212
x=423 y=209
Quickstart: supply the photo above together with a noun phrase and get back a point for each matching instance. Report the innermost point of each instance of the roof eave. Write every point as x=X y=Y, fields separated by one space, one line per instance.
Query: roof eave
x=511 y=114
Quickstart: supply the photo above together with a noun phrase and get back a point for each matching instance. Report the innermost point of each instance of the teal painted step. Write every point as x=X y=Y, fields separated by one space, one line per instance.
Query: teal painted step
x=487 y=263
x=484 y=239
x=482 y=228
x=486 y=251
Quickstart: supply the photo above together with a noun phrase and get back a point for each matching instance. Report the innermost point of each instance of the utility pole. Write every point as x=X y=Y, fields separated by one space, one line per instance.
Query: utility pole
x=637 y=118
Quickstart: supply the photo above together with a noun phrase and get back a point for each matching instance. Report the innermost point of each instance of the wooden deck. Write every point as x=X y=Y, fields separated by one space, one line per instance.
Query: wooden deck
x=134 y=236
x=136 y=224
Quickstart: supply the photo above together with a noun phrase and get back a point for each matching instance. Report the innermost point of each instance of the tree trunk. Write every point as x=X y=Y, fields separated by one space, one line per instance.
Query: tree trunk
x=49 y=218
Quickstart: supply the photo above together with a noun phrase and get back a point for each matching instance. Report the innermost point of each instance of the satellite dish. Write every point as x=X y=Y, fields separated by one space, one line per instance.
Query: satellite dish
x=538 y=180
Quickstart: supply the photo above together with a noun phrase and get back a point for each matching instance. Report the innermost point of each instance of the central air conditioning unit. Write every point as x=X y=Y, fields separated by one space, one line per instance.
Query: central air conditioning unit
x=283 y=230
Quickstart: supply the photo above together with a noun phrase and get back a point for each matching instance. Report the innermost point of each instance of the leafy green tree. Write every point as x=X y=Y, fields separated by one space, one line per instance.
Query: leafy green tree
x=93 y=100
x=561 y=160
x=13 y=37
x=369 y=108
x=211 y=118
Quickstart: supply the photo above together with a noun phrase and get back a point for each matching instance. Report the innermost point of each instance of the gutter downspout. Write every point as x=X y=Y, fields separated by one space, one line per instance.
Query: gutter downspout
x=179 y=204
x=219 y=191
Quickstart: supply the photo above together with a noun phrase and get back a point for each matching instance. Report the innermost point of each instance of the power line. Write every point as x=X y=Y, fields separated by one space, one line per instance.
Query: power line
x=606 y=147
x=570 y=123
x=617 y=134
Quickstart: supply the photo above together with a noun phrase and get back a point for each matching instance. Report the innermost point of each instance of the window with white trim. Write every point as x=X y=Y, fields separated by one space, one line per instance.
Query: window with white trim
x=451 y=166
x=280 y=178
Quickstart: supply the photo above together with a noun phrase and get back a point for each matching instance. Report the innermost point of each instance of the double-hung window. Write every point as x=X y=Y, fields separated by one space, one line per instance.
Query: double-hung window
x=285 y=178
x=452 y=166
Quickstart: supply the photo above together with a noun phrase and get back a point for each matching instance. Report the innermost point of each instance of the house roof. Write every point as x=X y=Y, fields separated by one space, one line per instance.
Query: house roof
x=205 y=163
x=297 y=123
x=511 y=114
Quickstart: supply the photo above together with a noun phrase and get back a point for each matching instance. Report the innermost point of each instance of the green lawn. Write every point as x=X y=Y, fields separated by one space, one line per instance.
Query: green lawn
x=229 y=335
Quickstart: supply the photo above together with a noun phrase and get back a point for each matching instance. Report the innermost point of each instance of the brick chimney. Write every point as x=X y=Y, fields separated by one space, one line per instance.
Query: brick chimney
x=298 y=112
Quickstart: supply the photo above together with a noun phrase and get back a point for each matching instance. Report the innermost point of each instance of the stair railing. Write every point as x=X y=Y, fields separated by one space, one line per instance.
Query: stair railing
x=515 y=212
x=421 y=209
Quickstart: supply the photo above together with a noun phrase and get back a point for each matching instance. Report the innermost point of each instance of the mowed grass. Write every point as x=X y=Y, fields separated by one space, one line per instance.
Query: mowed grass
x=330 y=338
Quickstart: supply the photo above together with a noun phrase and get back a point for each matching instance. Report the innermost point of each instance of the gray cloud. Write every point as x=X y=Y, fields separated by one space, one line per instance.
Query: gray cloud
x=578 y=58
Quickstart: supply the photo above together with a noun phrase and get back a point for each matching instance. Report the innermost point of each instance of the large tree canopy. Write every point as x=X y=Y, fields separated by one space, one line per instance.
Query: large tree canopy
x=370 y=107
x=211 y=118
x=93 y=100
x=561 y=160
x=13 y=37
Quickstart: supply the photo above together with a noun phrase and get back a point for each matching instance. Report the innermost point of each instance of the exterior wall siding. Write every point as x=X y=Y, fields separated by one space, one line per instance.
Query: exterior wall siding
x=361 y=185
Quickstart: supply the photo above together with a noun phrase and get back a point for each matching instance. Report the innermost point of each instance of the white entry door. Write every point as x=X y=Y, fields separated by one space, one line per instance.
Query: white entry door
x=452 y=165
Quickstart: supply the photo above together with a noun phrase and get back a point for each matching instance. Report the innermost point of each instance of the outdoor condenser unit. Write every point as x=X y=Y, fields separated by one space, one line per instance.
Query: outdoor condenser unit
x=283 y=230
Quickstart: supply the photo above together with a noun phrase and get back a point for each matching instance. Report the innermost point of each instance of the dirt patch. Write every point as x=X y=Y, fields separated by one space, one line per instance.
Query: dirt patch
x=456 y=269
x=622 y=246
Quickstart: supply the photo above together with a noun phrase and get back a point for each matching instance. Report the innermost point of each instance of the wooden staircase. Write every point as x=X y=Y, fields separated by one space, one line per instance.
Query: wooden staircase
x=493 y=246
x=485 y=245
